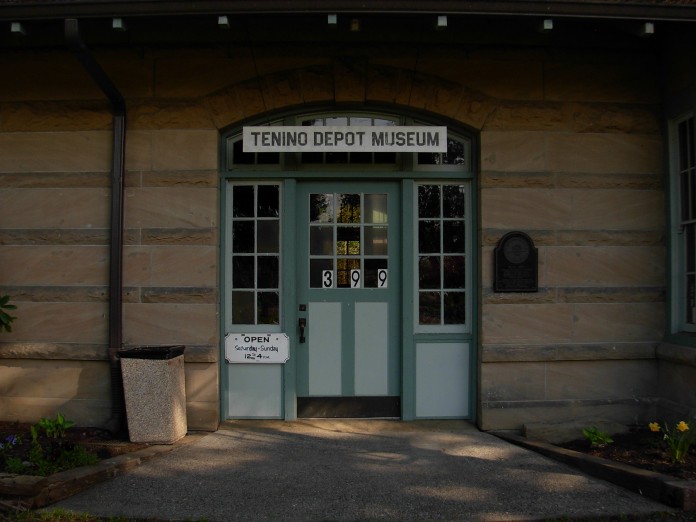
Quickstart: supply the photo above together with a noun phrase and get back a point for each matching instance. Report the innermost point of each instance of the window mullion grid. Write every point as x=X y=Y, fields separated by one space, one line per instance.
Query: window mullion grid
x=688 y=195
x=442 y=253
x=361 y=257
x=689 y=216
x=334 y=232
x=256 y=255
x=686 y=143
x=690 y=167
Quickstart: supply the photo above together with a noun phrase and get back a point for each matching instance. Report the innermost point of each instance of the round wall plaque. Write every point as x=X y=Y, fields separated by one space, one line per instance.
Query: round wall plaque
x=516 y=250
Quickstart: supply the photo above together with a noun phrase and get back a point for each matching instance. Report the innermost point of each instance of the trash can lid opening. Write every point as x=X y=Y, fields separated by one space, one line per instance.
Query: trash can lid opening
x=151 y=352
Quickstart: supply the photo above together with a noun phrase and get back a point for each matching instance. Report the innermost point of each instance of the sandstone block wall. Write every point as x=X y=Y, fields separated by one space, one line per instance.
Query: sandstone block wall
x=55 y=162
x=579 y=167
x=571 y=153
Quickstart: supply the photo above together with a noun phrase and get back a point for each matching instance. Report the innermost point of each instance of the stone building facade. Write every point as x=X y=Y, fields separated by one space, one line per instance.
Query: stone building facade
x=570 y=144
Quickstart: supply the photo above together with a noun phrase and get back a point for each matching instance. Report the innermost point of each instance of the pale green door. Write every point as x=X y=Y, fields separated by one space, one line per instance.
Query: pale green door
x=348 y=289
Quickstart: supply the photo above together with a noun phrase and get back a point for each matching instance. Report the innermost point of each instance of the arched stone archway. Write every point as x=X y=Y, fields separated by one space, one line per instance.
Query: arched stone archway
x=348 y=82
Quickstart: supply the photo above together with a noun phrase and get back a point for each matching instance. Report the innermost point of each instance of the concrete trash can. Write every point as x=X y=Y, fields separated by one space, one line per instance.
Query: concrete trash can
x=155 y=393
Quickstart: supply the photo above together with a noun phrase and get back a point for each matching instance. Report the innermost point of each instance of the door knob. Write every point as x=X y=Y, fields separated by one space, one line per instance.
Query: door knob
x=302 y=324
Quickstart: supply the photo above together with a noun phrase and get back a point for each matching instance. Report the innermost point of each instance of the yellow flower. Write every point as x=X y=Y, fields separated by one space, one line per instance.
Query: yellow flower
x=682 y=426
x=654 y=426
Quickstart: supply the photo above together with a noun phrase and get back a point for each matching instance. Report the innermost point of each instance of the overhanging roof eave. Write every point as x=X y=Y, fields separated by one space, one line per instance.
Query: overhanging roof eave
x=637 y=9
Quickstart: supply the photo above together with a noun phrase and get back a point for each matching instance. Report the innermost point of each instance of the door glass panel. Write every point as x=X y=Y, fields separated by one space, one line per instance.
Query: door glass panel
x=376 y=241
x=429 y=307
x=268 y=308
x=429 y=237
x=267 y=272
x=454 y=272
x=348 y=208
x=452 y=201
x=243 y=237
x=690 y=299
x=268 y=202
x=242 y=272
x=242 y=307
x=429 y=272
x=267 y=241
x=690 y=234
x=345 y=265
x=243 y=201
x=316 y=271
x=321 y=208
x=375 y=208
x=321 y=241
x=371 y=274
x=348 y=241
x=453 y=237
x=455 y=308
x=428 y=201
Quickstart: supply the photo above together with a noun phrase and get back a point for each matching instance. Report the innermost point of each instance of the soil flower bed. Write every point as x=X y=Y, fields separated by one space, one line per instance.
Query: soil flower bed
x=25 y=454
x=642 y=449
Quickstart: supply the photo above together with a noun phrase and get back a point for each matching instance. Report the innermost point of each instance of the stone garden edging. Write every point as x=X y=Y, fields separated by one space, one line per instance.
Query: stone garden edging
x=663 y=488
x=31 y=492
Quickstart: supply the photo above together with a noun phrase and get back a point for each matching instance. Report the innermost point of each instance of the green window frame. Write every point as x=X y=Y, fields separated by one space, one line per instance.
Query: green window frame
x=683 y=223
x=455 y=167
x=255 y=252
x=442 y=257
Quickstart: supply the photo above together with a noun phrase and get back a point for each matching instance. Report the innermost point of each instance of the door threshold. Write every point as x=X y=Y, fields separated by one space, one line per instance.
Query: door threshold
x=380 y=407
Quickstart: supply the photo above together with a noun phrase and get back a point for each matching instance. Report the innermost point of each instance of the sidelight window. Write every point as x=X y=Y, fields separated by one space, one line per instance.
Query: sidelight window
x=255 y=254
x=684 y=212
x=441 y=262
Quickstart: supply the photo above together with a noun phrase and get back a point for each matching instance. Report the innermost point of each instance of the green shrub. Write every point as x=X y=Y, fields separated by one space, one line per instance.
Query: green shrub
x=46 y=451
x=596 y=437
x=5 y=318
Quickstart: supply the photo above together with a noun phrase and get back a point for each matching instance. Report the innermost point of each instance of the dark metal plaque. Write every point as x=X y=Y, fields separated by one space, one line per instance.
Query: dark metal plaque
x=516 y=264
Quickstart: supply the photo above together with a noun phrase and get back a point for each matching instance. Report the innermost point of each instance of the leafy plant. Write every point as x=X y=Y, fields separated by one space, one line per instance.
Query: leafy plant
x=596 y=437
x=64 y=458
x=14 y=465
x=47 y=451
x=55 y=428
x=5 y=318
x=678 y=440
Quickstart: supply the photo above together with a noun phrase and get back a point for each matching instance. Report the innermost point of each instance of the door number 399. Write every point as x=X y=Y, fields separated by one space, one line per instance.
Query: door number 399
x=328 y=278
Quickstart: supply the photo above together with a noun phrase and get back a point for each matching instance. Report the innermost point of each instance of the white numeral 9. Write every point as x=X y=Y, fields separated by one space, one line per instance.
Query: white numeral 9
x=382 y=278
x=355 y=278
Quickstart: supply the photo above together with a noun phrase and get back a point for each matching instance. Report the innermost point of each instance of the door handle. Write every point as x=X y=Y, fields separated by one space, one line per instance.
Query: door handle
x=302 y=323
